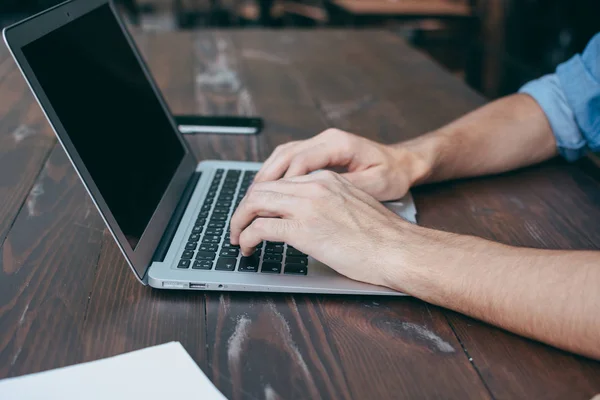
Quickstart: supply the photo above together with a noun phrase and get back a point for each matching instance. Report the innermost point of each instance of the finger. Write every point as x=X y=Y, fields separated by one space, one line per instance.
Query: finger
x=271 y=229
x=270 y=159
x=325 y=176
x=319 y=156
x=261 y=203
x=339 y=183
x=279 y=162
x=276 y=165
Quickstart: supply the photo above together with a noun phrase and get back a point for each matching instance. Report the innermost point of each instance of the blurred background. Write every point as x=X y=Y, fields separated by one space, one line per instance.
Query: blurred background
x=494 y=45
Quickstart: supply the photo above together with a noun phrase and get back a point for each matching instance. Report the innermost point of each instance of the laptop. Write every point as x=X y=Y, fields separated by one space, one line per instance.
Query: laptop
x=168 y=213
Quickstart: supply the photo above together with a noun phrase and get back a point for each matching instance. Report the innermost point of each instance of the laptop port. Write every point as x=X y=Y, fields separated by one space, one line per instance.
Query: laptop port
x=197 y=285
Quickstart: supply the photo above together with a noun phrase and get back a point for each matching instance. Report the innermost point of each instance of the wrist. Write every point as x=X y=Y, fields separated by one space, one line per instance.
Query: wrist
x=424 y=155
x=426 y=263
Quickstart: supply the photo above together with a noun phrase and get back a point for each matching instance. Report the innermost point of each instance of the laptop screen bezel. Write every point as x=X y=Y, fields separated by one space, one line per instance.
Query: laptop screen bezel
x=33 y=28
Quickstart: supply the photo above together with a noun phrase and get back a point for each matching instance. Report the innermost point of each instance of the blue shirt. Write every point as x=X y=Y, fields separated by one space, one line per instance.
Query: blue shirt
x=570 y=99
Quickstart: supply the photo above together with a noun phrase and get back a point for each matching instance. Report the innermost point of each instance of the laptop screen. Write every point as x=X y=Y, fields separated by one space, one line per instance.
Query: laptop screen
x=110 y=113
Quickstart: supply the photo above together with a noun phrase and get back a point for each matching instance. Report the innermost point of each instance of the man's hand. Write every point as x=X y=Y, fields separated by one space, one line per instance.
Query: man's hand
x=325 y=216
x=384 y=172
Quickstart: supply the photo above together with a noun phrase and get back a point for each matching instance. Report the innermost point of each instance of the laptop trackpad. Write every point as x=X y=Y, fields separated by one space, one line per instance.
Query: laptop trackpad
x=405 y=208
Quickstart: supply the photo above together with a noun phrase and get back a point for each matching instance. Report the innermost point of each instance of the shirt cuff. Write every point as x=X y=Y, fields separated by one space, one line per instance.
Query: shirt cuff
x=582 y=90
x=548 y=93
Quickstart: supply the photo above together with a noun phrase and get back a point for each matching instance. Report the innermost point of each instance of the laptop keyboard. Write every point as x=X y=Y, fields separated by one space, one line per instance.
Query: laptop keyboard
x=208 y=246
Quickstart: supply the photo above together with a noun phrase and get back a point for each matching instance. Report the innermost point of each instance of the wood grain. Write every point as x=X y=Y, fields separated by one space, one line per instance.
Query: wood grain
x=47 y=264
x=124 y=315
x=25 y=141
x=539 y=214
x=329 y=347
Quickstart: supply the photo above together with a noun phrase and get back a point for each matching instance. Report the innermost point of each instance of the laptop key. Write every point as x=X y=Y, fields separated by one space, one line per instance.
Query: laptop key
x=200 y=221
x=191 y=245
x=294 y=253
x=295 y=269
x=219 y=217
x=183 y=264
x=273 y=248
x=272 y=257
x=202 y=264
x=216 y=224
x=203 y=214
x=271 y=268
x=187 y=254
x=205 y=255
x=209 y=247
x=197 y=229
x=194 y=237
x=214 y=231
x=249 y=264
x=226 y=264
x=296 y=260
x=230 y=252
x=227 y=192
x=211 y=240
x=228 y=245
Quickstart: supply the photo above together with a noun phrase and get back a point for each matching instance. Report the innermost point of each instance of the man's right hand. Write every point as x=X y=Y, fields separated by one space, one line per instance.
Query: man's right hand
x=386 y=172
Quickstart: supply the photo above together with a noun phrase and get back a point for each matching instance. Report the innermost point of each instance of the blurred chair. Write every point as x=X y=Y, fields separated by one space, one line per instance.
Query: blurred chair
x=365 y=12
x=305 y=13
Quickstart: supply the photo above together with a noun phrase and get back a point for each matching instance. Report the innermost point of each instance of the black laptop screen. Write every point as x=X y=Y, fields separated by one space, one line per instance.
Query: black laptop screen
x=110 y=113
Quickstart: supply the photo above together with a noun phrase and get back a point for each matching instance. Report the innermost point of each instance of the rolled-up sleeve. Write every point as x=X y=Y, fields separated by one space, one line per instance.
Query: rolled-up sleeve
x=570 y=98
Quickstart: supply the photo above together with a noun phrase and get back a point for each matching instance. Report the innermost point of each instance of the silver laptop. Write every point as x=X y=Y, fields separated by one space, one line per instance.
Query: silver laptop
x=168 y=214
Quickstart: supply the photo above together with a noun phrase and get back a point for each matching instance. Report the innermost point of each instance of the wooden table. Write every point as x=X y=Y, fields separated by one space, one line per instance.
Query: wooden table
x=66 y=295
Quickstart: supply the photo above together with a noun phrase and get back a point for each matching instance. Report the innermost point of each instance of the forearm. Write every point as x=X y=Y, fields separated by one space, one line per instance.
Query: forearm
x=550 y=296
x=506 y=134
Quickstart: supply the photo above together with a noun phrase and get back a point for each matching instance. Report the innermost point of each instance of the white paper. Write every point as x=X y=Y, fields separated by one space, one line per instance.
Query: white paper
x=405 y=208
x=164 y=372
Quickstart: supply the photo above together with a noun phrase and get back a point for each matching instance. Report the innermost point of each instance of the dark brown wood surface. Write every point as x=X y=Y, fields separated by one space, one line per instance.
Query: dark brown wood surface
x=67 y=296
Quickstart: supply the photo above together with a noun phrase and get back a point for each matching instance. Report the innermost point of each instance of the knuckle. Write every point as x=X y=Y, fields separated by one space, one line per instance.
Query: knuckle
x=298 y=161
x=346 y=141
x=279 y=149
x=333 y=132
x=260 y=225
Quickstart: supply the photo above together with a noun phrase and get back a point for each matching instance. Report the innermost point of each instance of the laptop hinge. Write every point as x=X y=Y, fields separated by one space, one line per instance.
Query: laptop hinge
x=171 y=229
